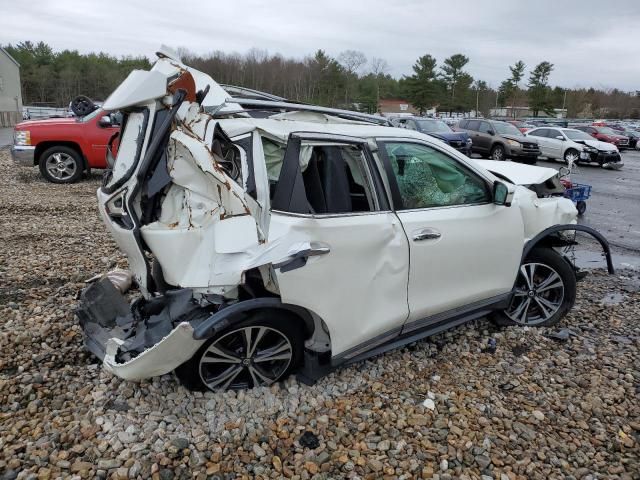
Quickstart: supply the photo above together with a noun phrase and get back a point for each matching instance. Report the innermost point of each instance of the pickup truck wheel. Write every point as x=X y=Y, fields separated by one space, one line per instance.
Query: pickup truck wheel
x=256 y=352
x=61 y=164
x=545 y=291
x=497 y=153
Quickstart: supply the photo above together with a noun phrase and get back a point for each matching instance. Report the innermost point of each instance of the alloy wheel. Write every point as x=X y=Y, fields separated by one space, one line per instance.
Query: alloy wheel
x=498 y=153
x=61 y=166
x=538 y=295
x=244 y=358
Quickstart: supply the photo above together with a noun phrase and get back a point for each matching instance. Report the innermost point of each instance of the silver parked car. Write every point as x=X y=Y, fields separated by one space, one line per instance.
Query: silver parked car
x=575 y=146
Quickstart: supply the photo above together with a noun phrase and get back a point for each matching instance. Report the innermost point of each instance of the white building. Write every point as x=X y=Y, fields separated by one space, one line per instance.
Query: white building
x=10 y=92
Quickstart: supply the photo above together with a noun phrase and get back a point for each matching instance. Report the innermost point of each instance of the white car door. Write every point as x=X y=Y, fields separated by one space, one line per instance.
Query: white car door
x=540 y=135
x=463 y=248
x=355 y=275
x=555 y=145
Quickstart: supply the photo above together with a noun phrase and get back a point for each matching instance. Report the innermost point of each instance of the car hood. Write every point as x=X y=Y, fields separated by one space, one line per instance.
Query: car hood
x=518 y=138
x=448 y=136
x=45 y=121
x=518 y=173
x=608 y=147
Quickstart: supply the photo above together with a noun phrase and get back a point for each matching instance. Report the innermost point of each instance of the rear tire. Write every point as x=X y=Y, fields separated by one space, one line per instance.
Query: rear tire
x=239 y=357
x=545 y=291
x=60 y=164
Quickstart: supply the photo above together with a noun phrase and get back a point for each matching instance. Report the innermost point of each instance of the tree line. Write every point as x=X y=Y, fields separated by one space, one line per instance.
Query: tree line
x=350 y=80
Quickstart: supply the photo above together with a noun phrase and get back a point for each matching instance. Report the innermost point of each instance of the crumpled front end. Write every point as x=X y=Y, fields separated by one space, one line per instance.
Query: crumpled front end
x=541 y=213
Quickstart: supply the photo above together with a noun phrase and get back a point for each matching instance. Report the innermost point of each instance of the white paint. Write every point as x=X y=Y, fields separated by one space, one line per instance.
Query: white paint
x=519 y=173
x=172 y=351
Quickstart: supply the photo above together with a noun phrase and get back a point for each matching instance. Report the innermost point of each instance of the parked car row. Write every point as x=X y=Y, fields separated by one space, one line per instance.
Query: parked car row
x=524 y=142
x=64 y=148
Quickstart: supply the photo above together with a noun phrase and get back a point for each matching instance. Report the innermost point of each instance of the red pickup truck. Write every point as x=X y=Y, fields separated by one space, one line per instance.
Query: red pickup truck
x=64 y=148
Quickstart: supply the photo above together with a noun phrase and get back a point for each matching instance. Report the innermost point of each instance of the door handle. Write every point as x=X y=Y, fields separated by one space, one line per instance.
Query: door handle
x=426 y=234
x=299 y=258
x=317 y=248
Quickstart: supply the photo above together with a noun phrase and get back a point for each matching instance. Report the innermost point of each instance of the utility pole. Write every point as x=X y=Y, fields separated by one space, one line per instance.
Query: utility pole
x=564 y=101
x=477 y=98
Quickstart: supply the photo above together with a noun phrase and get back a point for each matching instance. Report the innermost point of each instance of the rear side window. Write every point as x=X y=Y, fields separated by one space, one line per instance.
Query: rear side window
x=335 y=180
x=538 y=132
x=334 y=177
x=485 y=127
x=473 y=125
x=463 y=124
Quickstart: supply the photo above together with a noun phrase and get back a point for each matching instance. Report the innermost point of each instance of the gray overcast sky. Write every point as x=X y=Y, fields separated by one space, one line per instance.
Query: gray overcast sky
x=590 y=42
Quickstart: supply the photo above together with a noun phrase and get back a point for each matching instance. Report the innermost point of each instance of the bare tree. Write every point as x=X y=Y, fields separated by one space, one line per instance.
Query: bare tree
x=378 y=66
x=352 y=60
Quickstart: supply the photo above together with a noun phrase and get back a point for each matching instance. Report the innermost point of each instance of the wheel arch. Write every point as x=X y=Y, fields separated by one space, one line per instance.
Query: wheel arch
x=501 y=144
x=548 y=238
x=44 y=146
x=228 y=316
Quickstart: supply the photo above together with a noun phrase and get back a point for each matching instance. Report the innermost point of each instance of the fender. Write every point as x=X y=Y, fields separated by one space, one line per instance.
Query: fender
x=581 y=228
x=234 y=313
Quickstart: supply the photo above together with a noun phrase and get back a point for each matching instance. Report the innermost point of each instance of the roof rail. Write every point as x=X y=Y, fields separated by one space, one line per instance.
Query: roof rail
x=281 y=106
x=250 y=93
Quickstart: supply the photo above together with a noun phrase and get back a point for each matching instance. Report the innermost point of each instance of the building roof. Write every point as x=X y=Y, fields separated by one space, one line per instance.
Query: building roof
x=10 y=57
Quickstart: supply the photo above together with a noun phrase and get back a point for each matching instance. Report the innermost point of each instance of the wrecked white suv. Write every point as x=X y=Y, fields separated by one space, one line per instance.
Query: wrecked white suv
x=268 y=237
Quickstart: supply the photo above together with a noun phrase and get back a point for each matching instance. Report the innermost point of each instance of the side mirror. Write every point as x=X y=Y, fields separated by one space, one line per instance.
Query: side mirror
x=491 y=132
x=105 y=121
x=502 y=194
x=559 y=137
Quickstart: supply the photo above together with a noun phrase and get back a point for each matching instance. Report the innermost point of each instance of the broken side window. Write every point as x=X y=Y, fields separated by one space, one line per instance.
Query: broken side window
x=335 y=179
x=429 y=178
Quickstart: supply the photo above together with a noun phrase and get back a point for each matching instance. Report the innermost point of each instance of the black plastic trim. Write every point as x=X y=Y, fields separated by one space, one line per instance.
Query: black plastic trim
x=531 y=244
x=247 y=145
x=227 y=316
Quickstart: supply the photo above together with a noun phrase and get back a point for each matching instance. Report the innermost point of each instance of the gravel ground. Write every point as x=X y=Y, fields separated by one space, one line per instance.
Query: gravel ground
x=451 y=407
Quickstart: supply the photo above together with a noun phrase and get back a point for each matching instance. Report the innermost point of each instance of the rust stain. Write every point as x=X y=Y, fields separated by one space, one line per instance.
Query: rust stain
x=173 y=225
x=186 y=82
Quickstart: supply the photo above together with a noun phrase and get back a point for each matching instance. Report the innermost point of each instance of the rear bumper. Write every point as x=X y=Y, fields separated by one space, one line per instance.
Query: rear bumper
x=111 y=328
x=23 y=155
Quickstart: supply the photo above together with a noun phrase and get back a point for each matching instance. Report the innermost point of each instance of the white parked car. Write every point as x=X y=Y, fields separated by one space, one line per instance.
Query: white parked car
x=575 y=146
x=268 y=237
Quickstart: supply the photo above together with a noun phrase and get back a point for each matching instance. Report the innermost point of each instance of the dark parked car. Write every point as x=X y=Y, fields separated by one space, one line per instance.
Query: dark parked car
x=606 y=134
x=633 y=137
x=438 y=129
x=499 y=140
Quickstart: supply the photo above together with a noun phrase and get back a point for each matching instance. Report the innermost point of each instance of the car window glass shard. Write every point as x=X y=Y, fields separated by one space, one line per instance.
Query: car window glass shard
x=428 y=178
